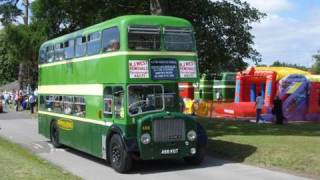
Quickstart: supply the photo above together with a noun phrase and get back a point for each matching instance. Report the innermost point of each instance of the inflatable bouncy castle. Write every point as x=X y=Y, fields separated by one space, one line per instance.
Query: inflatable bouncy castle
x=186 y=90
x=293 y=92
x=267 y=82
x=313 y=112
x=298 y=90
x=225 y=85
x=203 y=90
x=207 y=88
x=250 y=83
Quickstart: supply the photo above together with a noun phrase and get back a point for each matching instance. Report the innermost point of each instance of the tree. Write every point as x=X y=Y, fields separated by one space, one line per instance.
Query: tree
x=155 y=7
x=9 y=11
x=222 y=27
x=21 y=44
x=283 y=64
x=8 y=68
x=315 y=68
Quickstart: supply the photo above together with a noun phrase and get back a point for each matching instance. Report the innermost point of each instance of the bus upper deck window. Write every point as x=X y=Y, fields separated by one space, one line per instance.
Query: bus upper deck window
x=81 y=47
x=94 y=43
x=42 y=55
x=110 y=39
x=69 y=49
x=144 y=38
x=178 y=39
x=50 y=53
x=58 y=52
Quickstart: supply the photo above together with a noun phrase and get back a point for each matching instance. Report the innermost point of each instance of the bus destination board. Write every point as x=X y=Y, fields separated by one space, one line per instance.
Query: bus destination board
x=138 y=69
x=164 y=69
x=188 y=69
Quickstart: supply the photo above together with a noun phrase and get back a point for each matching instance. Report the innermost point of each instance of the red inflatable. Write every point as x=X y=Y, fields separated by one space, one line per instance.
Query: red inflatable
x=249 y=84
x=186 y=90
x=314 y=97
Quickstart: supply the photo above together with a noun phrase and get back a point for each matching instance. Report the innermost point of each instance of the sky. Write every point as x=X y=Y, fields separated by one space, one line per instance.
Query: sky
x=289 y=33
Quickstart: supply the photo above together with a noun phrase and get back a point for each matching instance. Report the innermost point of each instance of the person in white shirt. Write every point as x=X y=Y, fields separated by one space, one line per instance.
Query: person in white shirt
x=258 y=106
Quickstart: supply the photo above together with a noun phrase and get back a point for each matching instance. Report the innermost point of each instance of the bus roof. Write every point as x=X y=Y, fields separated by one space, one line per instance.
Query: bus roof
x=124 y=21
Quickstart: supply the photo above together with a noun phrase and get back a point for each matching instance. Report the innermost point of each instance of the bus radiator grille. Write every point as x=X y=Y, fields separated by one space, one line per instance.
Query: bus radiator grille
x=168 y=130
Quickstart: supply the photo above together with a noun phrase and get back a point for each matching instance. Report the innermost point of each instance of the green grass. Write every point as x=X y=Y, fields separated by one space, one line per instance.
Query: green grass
x=18 y=163
x=291 y=147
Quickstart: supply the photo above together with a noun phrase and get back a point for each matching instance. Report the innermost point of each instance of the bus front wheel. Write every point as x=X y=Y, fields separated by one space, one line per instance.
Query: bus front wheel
x=54 y=135
x=120 y=160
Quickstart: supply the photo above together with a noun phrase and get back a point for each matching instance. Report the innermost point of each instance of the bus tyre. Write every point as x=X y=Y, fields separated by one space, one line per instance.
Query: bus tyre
x=54 y=134
x=197 y=158
x=120 y=160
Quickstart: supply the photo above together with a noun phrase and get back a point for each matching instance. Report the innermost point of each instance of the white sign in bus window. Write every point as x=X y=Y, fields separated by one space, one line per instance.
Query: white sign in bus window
x=138 y=69
x=188 y=69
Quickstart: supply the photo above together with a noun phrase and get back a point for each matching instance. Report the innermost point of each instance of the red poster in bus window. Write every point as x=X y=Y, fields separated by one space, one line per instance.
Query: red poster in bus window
x=188 y=69
x=138 y=69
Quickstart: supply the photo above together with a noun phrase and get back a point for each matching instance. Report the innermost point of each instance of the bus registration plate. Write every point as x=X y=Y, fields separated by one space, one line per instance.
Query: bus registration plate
x=169 y=151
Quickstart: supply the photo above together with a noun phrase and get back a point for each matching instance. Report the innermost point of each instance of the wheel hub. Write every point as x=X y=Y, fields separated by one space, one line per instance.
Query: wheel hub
x=116 y=155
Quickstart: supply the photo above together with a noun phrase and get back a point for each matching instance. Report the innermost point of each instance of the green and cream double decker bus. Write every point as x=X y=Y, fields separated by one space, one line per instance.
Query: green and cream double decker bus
x=111 y=90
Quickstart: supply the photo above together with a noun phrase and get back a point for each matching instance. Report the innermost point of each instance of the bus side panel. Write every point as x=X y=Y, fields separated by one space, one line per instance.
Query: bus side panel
x=98 y=139
x=81 y=136
x=86 y=72
x=85 y=136
x=77 y=137
x=44 y=125
x=94 y=106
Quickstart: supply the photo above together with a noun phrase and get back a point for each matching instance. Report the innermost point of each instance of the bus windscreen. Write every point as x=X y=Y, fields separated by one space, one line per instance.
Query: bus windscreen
x=144 y=38
x=178 y=39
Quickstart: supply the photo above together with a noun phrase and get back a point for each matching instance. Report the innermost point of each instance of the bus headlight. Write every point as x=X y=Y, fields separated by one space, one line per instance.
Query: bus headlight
x=145 y=138
x=192 y=135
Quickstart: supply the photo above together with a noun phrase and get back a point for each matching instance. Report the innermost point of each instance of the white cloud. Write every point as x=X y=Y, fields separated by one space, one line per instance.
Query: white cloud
x=269 y=6
x=288 y=39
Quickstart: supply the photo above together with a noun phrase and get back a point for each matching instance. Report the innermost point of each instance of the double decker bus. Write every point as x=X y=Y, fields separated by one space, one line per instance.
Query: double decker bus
x=111 y=90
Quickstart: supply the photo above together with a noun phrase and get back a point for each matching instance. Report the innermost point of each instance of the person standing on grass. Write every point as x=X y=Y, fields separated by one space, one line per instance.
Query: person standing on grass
x=277 y=110
x=258 y=106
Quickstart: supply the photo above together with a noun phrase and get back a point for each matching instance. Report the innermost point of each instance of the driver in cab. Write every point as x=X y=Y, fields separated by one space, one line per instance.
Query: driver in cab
x=133 y=99
x=138 y=104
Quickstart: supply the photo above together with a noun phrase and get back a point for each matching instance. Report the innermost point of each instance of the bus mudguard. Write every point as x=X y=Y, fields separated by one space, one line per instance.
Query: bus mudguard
x=201 y=135
x=131 y=144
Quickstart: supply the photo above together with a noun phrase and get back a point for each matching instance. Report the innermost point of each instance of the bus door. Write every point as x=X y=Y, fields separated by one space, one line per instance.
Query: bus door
x=113 y=100
x=113 y=103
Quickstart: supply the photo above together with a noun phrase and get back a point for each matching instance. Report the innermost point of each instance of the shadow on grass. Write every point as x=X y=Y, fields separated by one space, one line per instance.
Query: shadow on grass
x=229 y=150
x=217 y=127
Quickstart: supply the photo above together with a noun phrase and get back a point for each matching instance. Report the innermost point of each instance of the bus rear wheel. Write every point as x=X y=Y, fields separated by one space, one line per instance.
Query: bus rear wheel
x=120 y=160
x=54 y=135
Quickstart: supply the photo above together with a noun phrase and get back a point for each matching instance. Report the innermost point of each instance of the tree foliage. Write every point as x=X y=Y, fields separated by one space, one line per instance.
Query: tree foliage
x=315 y=68
x=283 y=64
x=222 y=28
x=20 y=45
x=9 y=11
x=8 y=70
x=23 y=45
